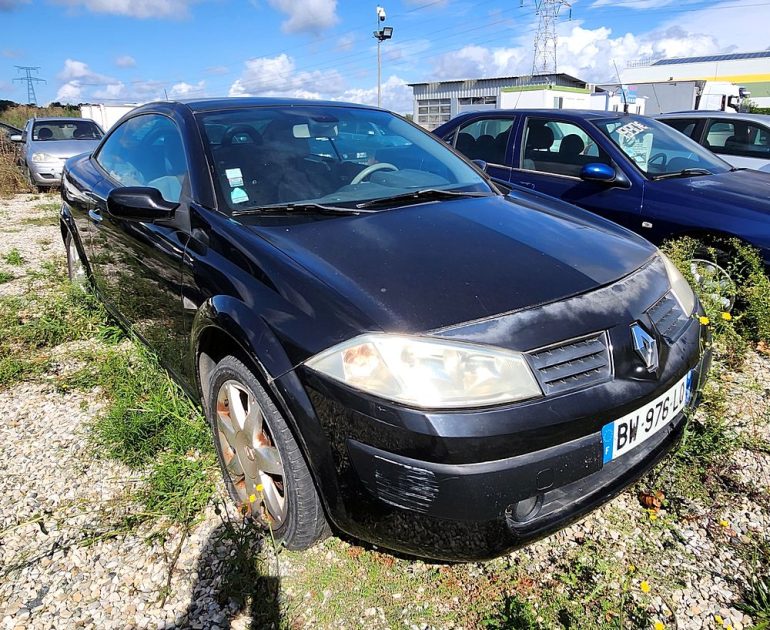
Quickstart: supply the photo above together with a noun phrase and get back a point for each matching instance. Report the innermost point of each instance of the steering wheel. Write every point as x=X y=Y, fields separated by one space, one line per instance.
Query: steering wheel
x=372 y=168
x=656 y=156
x=240 y=130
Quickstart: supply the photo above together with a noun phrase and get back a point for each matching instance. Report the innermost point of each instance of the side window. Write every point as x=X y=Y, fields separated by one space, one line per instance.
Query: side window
x=484 y=139
x=146 y=150
x=684 y=125
x=739 y=137
x=559 y=147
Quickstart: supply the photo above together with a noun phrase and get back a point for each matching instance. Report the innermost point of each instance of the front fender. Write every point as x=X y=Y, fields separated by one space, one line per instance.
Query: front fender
x=256 y=341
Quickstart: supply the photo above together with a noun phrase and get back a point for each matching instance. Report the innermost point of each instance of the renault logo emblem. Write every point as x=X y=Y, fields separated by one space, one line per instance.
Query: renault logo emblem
x=645 y=347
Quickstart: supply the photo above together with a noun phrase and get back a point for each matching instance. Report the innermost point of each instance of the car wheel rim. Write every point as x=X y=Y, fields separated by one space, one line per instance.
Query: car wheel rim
x=76 y=268
x=249 y=454
x=715 y=282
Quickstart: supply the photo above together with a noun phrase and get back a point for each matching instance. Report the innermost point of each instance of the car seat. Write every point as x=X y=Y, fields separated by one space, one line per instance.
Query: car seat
x=44 y=133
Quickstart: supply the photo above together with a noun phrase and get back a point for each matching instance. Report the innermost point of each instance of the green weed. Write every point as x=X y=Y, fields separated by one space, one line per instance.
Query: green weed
x=14 y=258
x=756 y=602
x=6 y=277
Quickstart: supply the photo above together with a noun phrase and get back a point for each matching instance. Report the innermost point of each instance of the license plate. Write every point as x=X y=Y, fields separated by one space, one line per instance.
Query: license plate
x=630 y=431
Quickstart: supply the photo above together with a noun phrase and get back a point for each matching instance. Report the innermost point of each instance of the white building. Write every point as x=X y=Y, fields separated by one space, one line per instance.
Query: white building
x=437 y=102
x=749 y=70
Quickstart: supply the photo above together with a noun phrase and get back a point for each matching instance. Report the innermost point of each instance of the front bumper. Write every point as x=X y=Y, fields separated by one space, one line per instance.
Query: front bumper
x=46 y=173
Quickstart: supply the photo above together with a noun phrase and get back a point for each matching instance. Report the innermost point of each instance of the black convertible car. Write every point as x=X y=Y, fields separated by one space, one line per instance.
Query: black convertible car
x=389 y=346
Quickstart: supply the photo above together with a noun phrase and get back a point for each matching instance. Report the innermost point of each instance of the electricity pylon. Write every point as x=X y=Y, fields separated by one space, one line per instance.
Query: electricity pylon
x=30 y=81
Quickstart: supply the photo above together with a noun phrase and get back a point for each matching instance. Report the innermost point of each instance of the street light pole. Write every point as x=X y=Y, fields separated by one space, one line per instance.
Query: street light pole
x=381 y=34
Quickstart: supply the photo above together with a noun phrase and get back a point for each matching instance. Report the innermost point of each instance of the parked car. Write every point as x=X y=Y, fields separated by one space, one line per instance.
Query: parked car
x=631 y=169
x=394 y=348
x=743 y=140
x=47 y=143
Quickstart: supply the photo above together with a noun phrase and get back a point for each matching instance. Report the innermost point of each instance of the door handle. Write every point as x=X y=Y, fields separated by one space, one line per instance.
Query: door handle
x=95 y=215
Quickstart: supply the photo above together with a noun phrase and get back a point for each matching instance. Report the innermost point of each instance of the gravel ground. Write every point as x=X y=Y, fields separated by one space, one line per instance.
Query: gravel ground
x=64 y=565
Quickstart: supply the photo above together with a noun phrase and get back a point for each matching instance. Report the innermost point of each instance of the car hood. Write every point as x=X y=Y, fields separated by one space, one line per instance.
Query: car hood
x=63 y=148
x=741 y=191
x=427 y=266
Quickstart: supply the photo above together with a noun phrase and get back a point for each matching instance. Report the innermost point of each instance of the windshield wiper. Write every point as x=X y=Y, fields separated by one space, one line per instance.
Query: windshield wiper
x=686 y=172
x=299 y=207
x=426 y=194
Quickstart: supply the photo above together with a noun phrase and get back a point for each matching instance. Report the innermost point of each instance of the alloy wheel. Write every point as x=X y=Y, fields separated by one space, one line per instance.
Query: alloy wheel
x=250 y=456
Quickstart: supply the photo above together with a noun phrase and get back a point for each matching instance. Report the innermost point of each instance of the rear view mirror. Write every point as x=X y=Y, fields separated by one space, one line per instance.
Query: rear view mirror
x=481 y=164
x=136 y=203
x=598 y=172
x=16 y=137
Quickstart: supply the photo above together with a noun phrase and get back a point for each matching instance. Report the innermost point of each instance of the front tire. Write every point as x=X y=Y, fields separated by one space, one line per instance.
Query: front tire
x=262 y=465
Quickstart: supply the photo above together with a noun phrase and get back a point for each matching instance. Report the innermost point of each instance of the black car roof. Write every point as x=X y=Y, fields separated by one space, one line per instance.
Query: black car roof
x=216 y=104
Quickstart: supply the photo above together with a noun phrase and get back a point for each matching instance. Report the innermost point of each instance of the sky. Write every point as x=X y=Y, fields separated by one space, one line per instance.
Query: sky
x=140 y=50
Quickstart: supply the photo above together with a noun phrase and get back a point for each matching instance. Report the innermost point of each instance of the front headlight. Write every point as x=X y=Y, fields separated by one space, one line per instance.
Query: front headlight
x=428 y=373
x=679 y=286
x=43 y=157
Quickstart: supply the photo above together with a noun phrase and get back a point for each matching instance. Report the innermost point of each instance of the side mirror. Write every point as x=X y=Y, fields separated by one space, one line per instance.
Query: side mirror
x=136 y=203
x=598 y=172
x=481 y=164
x=16 y=137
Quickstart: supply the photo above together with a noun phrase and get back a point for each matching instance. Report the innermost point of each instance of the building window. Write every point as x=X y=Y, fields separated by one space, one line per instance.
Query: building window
x=558 y=102
x=432 y=112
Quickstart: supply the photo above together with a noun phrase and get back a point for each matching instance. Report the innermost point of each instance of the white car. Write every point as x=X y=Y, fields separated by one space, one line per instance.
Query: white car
x=742 y=140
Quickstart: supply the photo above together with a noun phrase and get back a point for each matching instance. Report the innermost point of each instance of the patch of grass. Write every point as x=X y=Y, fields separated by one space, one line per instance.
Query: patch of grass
x=513 y=613
x=179 y=486
x=47 y=315
x=14 y=258
x=6 y=277
x=148 y=413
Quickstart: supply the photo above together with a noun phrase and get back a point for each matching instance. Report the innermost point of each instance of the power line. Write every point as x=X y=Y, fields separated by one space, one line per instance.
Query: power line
x=547 y=11
x=30 y=81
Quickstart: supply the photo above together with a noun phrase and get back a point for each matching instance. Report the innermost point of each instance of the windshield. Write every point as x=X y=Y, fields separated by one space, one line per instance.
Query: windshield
x=66 y=130
x=328 y=155
x=657 y=149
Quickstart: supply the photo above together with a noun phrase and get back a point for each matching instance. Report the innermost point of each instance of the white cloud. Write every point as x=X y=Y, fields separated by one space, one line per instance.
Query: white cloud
x=125 y=61
x=111 y=92
x=77 y=77
x=278 y=76
x=217 y=70
x=307 y=15
x=396 y=95
x=174 y=9
x=187 y=90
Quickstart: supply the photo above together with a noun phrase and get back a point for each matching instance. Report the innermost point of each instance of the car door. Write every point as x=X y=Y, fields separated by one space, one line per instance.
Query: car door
x=486 y=137
x=741 y=143
x=137 y=265
x=549 y=155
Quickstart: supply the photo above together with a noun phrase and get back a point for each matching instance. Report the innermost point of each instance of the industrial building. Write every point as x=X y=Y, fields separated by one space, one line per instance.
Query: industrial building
x=437 y=102
x=749 y=70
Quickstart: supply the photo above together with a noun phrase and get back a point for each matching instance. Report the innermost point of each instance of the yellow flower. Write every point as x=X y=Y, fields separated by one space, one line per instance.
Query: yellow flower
x=724 y=523
x=727 y=317
x=719 y=620
x=260 y=487
x=631 y=568
x=658 y=625
x=645 y=586
x=653 y=515
x=252 y=498
x=704 y=320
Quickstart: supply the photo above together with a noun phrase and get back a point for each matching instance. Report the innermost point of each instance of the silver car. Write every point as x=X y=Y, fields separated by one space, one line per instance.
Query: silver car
x=740 y=139
x=49 y=142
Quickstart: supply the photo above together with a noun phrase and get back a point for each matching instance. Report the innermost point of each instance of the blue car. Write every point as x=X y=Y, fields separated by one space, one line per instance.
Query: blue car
x=633 y=170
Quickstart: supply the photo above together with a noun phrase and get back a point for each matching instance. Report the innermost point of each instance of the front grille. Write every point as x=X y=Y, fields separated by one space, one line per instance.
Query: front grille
x=573 y=365
x=668 y=317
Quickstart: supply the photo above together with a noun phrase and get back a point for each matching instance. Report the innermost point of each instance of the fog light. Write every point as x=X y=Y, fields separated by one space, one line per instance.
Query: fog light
x=525 y=510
